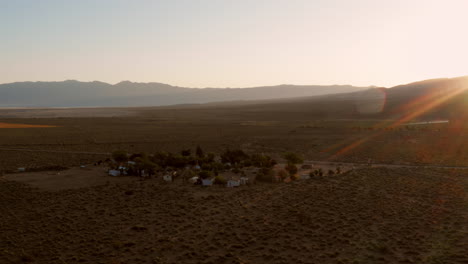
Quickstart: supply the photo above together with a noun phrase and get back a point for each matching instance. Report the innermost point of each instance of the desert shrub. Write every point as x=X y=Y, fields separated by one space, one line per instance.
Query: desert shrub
x=316 y=173
x=47 y=168
x=338 y=170
x=331 y=172
x=293 y=177
x=320 y=172
x=220 y=180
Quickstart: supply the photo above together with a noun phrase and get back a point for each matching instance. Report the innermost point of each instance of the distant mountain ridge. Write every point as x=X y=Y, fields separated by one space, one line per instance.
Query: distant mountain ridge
x=73 y=93
x=435 y=99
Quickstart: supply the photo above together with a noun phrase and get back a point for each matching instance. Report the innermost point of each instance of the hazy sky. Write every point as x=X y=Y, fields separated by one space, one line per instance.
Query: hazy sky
x=233 y=43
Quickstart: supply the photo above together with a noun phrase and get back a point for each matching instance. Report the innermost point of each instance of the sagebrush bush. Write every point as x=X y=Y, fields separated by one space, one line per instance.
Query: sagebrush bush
x=220 y=180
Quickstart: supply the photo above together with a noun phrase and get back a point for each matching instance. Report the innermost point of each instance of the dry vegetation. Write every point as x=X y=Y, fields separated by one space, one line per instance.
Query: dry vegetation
x=81 y=140
x=367 y=216
x=374 y=215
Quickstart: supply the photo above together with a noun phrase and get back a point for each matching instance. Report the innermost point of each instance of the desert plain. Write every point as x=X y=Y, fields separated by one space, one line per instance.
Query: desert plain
x=404 y=199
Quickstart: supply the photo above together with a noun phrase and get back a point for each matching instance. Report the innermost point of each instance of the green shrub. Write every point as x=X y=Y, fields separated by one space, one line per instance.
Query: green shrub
x=220 y=180
x=265 y=175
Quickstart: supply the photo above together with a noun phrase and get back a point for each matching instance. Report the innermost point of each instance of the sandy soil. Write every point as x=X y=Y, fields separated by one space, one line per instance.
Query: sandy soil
x=13 y=125
x=376 y=215
x=73 y=178
x=64 y=112
x=74 y=140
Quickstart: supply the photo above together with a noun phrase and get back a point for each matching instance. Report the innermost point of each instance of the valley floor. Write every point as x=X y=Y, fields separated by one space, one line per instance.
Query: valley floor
x=373 y=215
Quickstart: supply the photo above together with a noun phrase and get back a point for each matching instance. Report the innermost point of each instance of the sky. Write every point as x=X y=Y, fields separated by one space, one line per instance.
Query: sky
x=233 y=43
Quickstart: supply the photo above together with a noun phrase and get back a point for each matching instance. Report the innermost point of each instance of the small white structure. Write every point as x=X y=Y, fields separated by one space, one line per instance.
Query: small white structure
x=193 y=179
x=167 y=178
x=21 y=169
x=131 y=163
x=114 y=173
x=197 y=167
x=207 y=182
x=244 y=180
x=305 y=176
x=233 y=183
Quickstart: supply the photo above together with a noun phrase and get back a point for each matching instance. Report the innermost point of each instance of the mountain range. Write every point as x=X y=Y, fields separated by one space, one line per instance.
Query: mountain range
x=129 y=94
x=434 y=99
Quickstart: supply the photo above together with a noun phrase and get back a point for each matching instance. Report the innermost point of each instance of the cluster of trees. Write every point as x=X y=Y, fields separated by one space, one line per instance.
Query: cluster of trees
x=208 y=163
x=266 y=174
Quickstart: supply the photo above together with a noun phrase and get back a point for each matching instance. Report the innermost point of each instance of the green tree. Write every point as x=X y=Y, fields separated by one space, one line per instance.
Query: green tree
x=199 y=152
x=120 y=156
x=293 y=158
x=234 y=156
x=291 y=168
x=186 y=152
x=210 y=157
x=205 y=174
x=149 y=167
x=283 y=174
x=265 y=175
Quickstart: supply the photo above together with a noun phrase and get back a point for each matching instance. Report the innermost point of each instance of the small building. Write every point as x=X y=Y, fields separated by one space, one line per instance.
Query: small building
x=193 y=179
x=167 y=178
x=244 y=180
x=233 y=183
x=207 y=182
x=114 y=173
